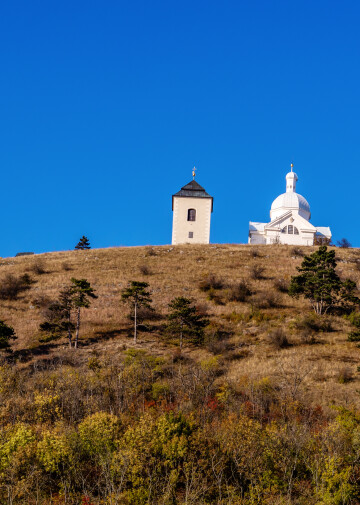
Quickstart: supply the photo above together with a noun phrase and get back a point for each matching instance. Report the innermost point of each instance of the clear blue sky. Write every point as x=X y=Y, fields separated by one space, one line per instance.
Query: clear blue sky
x=107 y=105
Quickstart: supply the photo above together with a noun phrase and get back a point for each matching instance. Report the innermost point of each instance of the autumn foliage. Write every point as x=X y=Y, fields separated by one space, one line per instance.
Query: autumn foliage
x=260 y=407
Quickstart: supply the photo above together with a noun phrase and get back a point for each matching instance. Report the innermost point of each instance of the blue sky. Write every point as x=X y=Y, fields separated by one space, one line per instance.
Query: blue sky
x=107 y=106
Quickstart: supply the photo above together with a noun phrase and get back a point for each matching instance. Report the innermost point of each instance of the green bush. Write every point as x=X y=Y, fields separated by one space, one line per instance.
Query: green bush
x=354 y=336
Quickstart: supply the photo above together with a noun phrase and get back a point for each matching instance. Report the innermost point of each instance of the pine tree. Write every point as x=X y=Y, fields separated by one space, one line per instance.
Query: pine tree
x=354 y=318
x=137 y=295
x=184 y=322
x=319 y=283
x=7 y=333
x=58 y=317
x=83 y=243
x=81 y=294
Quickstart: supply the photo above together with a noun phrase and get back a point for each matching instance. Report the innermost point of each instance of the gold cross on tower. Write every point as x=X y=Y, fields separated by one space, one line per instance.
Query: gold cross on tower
x=193 y=172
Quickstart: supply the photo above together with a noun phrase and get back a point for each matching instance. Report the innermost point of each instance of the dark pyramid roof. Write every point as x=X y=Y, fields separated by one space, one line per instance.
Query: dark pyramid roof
x=193 y=190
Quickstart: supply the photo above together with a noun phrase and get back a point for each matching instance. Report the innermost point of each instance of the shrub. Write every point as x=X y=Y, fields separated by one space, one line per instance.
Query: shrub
x=354 y=319
x=343 y=243
x=307 y=336
x=297 y=252
x=255 y=253
x=265 y=300
x=11 y=286
x=354 y=336
x=257 y=271
x=220 y=346
x=313 y=323
x=239 y=292
x=211 y=282
x=310 y=325
x=278 y=338
x=178 y=356
x=214 y=296
x=146 y=314
x=281 y=285
x=38 y=267
x=217 y=339
x=41 y=301
x=202 y=308
x=150 y=251
x=145 y=270
x=344 y=375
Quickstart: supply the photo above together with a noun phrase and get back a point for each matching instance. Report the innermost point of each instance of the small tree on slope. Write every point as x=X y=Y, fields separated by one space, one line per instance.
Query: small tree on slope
x=137 y=295
x=58 y=317
x=81 y=294
x=83 y=243
x=320 y=284
x=7 y=333
x=184 y=322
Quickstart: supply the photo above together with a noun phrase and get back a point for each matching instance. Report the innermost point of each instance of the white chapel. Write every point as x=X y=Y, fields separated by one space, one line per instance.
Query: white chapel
x=289 y=220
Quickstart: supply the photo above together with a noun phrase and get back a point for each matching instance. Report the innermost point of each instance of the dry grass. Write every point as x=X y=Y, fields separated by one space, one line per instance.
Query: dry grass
x=178 y=271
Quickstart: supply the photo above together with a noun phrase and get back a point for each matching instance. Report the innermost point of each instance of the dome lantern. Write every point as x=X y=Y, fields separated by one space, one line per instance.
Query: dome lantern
x=291 y=179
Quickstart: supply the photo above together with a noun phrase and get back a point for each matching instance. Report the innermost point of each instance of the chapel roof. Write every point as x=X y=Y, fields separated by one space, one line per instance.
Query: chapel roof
x=290 y=201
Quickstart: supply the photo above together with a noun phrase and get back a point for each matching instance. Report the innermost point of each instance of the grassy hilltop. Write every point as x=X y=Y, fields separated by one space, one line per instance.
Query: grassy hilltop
x=266 y=358
x=180 y=271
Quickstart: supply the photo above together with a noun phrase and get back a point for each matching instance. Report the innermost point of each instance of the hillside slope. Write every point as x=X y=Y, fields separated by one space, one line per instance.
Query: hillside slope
x=239 y=332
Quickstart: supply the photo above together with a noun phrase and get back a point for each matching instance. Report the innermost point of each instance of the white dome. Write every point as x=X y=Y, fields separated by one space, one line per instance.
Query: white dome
x=290 y=201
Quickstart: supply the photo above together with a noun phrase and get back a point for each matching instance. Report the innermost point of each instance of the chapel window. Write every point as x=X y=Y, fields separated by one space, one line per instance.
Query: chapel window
x=296 y=231
x=290 y=229
x=284 y=230
x=191 y=234
x=191 y=215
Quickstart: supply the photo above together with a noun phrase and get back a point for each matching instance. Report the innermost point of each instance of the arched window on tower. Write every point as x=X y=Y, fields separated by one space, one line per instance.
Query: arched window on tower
x=191 y=215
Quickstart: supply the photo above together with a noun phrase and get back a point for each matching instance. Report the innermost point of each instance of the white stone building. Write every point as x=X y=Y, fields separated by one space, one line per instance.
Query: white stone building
x=192 y=207
x=289 y=220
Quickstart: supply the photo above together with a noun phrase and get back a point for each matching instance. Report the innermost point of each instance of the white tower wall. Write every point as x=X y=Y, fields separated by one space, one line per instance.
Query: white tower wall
x=200 y=228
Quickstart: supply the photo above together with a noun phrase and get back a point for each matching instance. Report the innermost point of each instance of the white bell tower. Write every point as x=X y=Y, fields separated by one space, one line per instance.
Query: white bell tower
x=192 y=207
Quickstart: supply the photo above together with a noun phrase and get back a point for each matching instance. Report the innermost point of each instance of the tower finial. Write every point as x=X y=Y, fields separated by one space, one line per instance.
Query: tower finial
x=193 y=173
x=291 y=166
